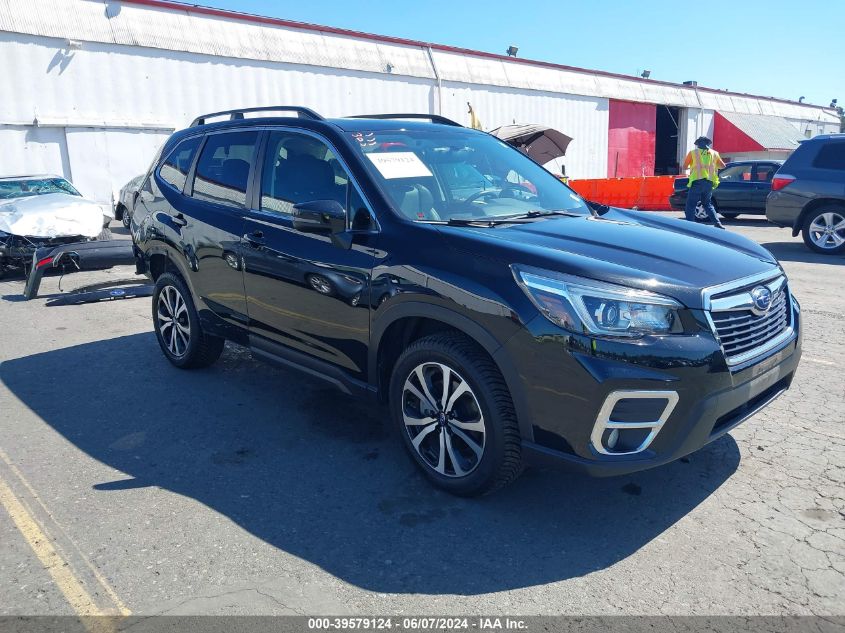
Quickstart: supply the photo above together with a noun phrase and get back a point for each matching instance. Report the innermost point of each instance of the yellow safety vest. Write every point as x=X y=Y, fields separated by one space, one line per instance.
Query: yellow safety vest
x=703 y=165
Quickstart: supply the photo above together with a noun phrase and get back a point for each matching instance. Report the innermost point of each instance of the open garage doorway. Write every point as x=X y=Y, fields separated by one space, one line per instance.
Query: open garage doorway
x=666 y=141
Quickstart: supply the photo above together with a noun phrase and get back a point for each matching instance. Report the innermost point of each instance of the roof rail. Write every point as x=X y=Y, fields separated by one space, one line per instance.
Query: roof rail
x=235 y=115
x=434 y=118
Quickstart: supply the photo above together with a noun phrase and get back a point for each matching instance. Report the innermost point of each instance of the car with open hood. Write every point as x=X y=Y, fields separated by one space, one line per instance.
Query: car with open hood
x=503 y=320
x=44 y=210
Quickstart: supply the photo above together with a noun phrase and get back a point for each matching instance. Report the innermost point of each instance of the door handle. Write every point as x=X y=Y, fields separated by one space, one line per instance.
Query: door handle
x=179 y=220
x=256 y=238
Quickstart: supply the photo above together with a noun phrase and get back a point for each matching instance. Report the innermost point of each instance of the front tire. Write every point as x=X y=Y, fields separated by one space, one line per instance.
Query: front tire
x=177 y=326
x=824 y=230
x=125 y=218
x=730 y=216
x=454 y=413
x=321 y=285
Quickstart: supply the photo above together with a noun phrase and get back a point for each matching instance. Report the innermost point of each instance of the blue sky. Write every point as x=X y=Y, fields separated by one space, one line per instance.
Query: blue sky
x=773 y=48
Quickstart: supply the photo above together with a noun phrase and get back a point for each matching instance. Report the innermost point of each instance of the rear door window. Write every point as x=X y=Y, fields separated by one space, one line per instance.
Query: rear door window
x=174 y=169
x=831 y=156
x=224 y=166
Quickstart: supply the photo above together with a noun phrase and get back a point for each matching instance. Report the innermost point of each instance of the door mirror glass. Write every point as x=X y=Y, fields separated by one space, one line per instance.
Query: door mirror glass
x=319 y=216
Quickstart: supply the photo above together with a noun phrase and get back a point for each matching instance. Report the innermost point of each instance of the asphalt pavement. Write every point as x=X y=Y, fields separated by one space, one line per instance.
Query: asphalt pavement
x=128 y=486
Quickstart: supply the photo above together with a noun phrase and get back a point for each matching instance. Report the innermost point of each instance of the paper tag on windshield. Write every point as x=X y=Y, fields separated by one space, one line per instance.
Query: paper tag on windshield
x=399 y=164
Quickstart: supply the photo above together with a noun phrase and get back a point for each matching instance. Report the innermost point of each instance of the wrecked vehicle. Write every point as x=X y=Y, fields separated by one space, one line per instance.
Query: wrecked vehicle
x=45 y=211
x=126 y=200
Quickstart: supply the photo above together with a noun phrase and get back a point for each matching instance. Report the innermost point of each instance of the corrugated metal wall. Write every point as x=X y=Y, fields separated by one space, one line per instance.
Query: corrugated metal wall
x=98 y=84
x=582 y=118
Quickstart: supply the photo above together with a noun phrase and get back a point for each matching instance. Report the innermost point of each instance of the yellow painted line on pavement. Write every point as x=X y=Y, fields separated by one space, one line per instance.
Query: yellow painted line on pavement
x=120 y=607
x=68 y=584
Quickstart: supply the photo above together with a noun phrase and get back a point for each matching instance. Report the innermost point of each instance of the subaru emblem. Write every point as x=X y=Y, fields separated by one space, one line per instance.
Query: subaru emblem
x=761 y=296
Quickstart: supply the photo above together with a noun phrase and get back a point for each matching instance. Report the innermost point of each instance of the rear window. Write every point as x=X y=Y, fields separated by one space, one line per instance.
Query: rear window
x=223 y=168
x=174 y=169
x=831 y=156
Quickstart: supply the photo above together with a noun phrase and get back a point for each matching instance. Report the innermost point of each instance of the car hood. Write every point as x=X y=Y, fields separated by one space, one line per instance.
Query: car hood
x=639 y=250
x=51 y=215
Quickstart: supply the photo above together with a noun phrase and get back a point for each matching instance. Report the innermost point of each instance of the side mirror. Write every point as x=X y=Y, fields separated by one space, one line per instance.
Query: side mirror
x=323 y=216
x=319 y=216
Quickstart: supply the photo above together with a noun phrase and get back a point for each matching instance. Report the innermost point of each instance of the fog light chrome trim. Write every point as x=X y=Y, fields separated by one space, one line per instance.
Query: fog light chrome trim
x=603 y=421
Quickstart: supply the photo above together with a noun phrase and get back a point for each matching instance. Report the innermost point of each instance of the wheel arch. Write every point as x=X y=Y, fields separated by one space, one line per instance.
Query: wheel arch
x=812 y=206
x=160 y=260
x=410 y=321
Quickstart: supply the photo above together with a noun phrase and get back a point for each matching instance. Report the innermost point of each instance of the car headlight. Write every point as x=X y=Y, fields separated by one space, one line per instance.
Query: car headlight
x=593 y=307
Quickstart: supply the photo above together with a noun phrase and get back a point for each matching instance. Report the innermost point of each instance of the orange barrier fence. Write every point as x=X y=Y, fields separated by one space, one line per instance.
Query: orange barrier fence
x=650 y=193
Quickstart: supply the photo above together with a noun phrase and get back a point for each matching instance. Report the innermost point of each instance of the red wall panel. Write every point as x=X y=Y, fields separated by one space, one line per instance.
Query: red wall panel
x=631 y=139
x=729 y=138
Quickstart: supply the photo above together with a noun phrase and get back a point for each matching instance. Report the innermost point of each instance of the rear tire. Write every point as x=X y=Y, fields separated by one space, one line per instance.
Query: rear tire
x=824 y=230
x=730 y=216
x=177 y=326
x=472 y=445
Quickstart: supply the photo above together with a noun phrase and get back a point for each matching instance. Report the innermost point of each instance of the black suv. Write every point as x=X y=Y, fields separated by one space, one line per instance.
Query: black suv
x=435 y=268
x=808 y=194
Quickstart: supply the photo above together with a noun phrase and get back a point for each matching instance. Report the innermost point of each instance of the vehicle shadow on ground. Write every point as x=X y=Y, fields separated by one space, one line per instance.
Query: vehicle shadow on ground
x=319 y=475
x=797 y=251
x=746 y=220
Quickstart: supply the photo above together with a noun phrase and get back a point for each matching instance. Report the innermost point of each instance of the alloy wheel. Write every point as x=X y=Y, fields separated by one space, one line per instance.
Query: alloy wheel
x=443 y=419
x=828 y=230
x=173 y=322
x=320 y=284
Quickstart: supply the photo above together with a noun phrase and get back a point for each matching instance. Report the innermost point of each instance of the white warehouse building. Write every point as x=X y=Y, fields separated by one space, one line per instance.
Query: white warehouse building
x=93 y=87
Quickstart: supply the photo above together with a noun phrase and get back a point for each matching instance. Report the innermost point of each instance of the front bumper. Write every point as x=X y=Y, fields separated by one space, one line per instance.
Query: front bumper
x=96 y=255
x=565 y=389
x=17 y=251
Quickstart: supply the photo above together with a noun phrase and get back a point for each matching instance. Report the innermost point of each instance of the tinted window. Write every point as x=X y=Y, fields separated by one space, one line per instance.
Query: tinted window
x=831 y=156
x=735 y=173
x=174 y=170
x=300 y=168
x=765 y=172
x=223 y=168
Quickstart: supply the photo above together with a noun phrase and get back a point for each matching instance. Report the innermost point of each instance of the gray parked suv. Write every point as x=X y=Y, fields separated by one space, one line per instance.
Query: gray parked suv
x=808 y=194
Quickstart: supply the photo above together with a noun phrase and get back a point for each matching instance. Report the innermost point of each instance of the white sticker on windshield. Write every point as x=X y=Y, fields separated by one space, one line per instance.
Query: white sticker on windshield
x=399 y=164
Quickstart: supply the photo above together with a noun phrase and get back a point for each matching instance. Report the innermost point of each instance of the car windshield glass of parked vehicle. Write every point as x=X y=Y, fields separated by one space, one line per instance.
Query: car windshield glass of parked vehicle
x=441 y=176
x=35 y=187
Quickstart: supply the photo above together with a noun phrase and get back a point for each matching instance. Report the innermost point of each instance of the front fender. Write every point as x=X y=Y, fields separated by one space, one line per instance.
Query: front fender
x=469 y=327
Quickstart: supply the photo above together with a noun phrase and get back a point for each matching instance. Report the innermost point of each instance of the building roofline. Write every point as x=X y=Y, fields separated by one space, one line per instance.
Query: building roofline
x=260 y=19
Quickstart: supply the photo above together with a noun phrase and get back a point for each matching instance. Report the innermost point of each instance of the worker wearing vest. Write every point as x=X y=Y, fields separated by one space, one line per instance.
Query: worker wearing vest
x=704 y=164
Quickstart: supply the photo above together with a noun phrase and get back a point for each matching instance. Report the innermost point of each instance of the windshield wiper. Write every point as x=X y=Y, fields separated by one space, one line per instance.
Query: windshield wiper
x=540 y=214
x=476 y=221
x=518 y=218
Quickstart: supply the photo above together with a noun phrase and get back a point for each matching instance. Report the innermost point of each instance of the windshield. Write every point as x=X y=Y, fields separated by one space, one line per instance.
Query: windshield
x=35 y=187
x=451 y=175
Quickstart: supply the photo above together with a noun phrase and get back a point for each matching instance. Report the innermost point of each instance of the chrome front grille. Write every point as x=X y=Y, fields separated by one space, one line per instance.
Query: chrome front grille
x=743 y=329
